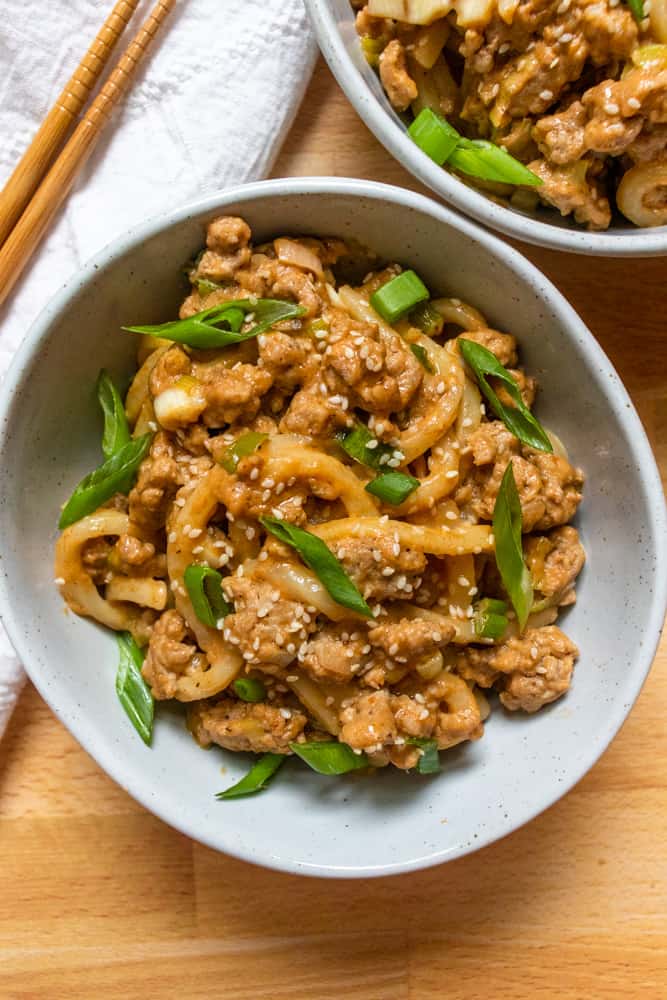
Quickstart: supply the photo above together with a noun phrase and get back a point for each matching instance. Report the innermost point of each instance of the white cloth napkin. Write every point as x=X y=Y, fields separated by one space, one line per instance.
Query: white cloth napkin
x=209 y=109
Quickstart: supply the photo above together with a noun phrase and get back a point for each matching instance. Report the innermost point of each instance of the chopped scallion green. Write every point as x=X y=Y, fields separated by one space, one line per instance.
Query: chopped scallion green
x=483 y=159
x=133 y=692
x=399 y=295
x=490 y=618
x=361 y=445
x=518 y=418
x=507 y=524
x=221 y=325
x=329 y=756
x=429 y=758
x=429 y=320
x=256 y=779
x=392 y=487
x=249 y=689
x=116 y=432
x=116 y=475
x=318 y=557
x=241 y=448
x=422 y=357
x=204 y=587
x=434 y=135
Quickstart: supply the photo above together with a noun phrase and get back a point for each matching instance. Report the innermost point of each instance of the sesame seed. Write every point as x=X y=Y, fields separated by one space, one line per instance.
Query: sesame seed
x=286 y=713
x=254 y=474
x=195 y=532
x=463 y=581
x=611 y=108
x=424 y=714
x=634 y=103
x=420 y=698
x=291 y=678
x=566 y=37
x=59 y=581
x=388 y=571
x=546 y=95
x=171 y=538
x=450 y=515
x=452 y=474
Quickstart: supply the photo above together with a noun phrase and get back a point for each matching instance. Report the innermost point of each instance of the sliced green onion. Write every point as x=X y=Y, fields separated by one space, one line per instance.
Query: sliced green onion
x=422 y=357
x=434 y=135
x=116 y=432
x=429 y=759
x=507 y=525
x=116 y=475
x=518 y=419
x=256 y=779
x=483 y=159
x=490 y=618
x=427 y=318
x=400 y=294
x=329 y=757
x=204 y=587
x=319 y=557
x=491 y=605
x=393 y=487
x=132 y=690
x=637 y=8
x=249 y=689
x=205 y=286
x=220 y=325
x=356 y=443
x=241 y=448
x=372 y=48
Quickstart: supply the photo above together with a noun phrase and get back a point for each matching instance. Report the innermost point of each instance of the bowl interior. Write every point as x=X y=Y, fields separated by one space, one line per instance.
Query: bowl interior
x=333 y=21
x=50 y=439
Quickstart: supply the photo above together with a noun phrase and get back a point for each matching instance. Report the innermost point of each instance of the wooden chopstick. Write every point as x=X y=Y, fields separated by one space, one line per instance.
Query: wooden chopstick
x=24 y=238
x=39 y=155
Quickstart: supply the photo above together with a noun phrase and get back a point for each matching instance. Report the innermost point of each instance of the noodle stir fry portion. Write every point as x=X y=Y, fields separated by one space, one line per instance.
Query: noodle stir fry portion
x=327 y=519
x=558 y=101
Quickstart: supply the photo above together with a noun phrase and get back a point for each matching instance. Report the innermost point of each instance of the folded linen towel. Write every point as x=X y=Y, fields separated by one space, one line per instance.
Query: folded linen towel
x=210 y=108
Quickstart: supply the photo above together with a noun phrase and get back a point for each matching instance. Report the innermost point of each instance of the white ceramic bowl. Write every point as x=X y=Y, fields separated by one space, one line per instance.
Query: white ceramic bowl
x=49 y=437
x=333 y=21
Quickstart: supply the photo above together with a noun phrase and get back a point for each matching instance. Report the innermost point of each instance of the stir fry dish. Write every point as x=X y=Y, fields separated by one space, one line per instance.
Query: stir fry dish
x=327 y=519
x=562 y=102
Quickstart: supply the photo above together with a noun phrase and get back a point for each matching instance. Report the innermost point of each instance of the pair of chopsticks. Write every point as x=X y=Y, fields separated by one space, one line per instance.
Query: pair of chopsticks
x=36 y=189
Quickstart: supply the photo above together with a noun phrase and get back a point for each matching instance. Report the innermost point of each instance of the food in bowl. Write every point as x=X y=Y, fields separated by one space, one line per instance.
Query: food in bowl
x=327 y=514
x=574 y=90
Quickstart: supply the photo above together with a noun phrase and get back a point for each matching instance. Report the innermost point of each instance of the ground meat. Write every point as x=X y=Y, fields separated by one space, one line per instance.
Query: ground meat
x=227 y=240
x=335 y=654
x=562 y=563
x=95 y=558
x=503 y=345
x=409 y=640
x=266 y=628
x=549 y=487
x=608 y=119
x=231 y=393
x=237 y=725
x=523 y=68
x=401 y=88
x=539 y=665
x=650 y=144
x=289 y=360
x=157 y=483
x=169 y=657
x=380 y=723
x=531 y=670
x=170 y=367
x=571 y=190
x=378 y=370
x=313 y=414
x=378 y=570
x=133 y=551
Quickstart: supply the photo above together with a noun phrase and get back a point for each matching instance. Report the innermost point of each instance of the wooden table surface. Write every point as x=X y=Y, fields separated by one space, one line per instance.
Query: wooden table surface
x=99 y=899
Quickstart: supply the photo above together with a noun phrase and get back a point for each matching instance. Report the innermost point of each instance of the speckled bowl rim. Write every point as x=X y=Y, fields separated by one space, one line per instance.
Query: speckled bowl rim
x=389 y=130
x=601 y=372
